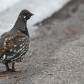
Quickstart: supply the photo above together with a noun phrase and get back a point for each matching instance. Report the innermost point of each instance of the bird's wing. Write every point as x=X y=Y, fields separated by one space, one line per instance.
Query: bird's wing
x=2 y=38
x=15 y=40
x=13 y=44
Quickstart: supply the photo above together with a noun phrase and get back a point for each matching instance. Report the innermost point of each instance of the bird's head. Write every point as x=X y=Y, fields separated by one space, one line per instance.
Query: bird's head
x=26 y=14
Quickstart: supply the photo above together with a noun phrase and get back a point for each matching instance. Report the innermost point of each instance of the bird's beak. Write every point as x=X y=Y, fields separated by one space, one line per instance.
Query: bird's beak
x=32 y=14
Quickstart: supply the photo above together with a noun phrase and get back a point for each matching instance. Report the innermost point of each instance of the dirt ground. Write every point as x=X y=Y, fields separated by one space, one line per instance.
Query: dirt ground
x=62 y=27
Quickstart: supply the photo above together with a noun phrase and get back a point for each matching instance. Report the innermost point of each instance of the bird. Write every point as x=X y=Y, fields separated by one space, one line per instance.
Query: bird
x=14 y=44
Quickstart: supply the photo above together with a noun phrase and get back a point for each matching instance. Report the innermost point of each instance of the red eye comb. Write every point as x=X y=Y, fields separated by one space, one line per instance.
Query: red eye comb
x=26 y=13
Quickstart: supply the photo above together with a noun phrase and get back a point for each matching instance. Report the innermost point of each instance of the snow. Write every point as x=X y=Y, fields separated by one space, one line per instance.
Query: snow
x=5 y=4
x=40 y=8
x=45 y=8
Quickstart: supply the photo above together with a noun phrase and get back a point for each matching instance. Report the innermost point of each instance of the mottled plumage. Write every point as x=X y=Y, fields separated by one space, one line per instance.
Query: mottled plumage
x=15 y=43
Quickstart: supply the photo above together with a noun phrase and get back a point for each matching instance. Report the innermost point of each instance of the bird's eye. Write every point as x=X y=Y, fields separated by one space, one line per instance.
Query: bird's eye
x=26 y=13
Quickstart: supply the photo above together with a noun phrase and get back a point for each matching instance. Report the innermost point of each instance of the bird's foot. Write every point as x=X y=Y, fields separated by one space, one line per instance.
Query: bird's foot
x=10 y=70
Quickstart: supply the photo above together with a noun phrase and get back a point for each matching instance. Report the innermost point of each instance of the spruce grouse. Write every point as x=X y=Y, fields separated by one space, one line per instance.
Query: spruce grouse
x=15 y=43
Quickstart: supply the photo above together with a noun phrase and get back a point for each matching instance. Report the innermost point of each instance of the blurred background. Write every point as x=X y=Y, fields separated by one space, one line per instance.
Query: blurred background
x=42 y=9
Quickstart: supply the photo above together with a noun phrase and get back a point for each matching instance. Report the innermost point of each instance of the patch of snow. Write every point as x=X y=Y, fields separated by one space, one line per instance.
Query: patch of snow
x=41 y=9
x=5 y=4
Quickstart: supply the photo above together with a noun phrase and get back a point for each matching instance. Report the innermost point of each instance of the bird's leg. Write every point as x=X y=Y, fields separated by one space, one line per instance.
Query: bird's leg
x=7 y=67
x=13 y=68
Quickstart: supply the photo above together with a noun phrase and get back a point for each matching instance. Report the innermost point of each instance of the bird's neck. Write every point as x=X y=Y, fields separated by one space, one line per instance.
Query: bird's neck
x=21 y=25
x=20 y=22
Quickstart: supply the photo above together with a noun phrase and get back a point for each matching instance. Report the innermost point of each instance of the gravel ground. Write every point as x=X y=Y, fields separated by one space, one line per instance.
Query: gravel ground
x=67 y=65
x=56 y=53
